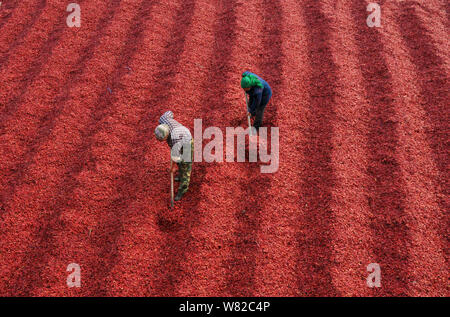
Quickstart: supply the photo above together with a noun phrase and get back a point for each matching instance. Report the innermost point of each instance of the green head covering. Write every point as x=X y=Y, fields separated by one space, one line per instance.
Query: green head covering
x=249 y=81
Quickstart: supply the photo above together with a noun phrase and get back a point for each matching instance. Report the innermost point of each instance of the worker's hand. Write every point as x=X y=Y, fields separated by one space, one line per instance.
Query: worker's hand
x=253 y=139
x=176 y=158
x=174 y=168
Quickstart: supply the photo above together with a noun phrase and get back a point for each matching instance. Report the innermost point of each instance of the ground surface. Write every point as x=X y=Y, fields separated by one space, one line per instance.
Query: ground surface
x=363 y=116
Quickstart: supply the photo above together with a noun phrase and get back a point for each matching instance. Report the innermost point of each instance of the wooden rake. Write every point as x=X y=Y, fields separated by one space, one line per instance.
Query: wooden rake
x=171 y=183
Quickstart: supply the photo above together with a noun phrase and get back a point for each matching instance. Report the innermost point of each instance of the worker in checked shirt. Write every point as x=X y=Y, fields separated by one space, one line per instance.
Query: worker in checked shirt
x=180 y=141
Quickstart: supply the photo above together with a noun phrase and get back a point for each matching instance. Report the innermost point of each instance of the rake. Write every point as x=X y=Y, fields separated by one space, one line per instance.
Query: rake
x=171 y=184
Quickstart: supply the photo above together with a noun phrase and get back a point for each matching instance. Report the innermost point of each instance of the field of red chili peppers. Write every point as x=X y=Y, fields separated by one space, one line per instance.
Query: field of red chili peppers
x=363 y=115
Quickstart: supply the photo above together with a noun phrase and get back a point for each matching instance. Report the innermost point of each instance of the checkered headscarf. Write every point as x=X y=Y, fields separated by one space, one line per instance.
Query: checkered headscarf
x=162 y=131
x=178 y=132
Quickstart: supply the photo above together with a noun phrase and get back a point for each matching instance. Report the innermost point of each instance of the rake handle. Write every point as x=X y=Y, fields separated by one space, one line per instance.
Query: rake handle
x=171 y=183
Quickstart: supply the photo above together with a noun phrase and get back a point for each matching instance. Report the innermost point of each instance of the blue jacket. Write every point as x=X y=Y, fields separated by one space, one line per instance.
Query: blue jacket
x=257 y=94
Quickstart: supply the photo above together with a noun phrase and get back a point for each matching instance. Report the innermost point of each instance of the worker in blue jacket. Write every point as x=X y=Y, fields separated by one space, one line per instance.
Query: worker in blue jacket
x=259 y=92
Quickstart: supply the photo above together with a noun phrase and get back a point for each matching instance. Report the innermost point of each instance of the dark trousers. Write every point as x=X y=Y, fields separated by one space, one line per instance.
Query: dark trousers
x=260 y=110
